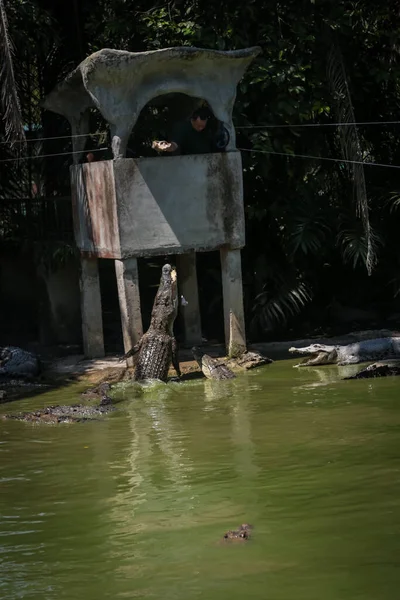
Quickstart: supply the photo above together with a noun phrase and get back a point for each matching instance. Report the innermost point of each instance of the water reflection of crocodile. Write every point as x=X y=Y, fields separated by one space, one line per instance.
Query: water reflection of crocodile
x=158 y=347
x=376 y=349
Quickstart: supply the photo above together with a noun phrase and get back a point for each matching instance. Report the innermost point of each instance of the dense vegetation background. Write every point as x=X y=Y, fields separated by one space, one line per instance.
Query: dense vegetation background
x=322 y=235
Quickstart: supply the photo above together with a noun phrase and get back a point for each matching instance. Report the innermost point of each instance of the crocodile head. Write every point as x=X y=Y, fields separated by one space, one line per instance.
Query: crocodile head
x=204 y=361
x=319 y=354
x=165 y=307
x=197 y=354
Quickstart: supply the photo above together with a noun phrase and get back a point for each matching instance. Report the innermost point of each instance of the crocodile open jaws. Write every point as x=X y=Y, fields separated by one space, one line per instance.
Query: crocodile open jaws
x=375 y=349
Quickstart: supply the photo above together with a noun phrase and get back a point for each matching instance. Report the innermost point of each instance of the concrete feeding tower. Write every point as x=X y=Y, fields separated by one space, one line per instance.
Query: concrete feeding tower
x=128 y=208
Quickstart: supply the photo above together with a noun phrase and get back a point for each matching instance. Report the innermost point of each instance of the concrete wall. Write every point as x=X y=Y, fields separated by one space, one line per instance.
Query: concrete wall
x=36 y=305
x=64 y=303
x=18 y=299
x=160 y=205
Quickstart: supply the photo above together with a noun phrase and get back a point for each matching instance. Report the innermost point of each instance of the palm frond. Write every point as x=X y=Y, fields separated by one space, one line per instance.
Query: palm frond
x=308 y=232
x=392 y=201
x=10 y=105
x=350 y=144
x=353 y=245
x=272 y=311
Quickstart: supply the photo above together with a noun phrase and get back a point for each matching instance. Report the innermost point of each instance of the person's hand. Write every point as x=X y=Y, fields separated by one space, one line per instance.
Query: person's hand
x=161 y=146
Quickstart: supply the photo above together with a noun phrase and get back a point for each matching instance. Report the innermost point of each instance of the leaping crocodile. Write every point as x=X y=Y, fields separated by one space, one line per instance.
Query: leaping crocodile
x=15 y=362
x=158 y=347
x=376 y=349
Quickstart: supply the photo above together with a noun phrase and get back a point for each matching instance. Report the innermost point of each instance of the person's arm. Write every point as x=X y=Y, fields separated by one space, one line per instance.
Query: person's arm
x=177 y=140
x=163 y=146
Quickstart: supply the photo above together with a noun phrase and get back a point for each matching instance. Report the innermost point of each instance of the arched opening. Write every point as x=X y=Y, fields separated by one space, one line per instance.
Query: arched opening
x=159 y=117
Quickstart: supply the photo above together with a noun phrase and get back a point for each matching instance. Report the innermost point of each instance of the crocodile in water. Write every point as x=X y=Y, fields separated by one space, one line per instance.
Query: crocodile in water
x=213 y=368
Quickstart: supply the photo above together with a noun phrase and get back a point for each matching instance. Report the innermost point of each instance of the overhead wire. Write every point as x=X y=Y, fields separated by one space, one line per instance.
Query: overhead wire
x=265 y=126
x=48 y=155
x=271 y=126
x=55 y=137
x=341 y=160
x=308 y=156
x=295 y=126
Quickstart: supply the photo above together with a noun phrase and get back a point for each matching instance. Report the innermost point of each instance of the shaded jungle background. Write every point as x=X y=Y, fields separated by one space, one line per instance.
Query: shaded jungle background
x=321 y=253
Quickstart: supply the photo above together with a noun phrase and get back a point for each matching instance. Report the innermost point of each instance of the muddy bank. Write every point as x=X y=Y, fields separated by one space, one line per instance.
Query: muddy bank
x=95 y=371
x=75 y=367
x=74 y=413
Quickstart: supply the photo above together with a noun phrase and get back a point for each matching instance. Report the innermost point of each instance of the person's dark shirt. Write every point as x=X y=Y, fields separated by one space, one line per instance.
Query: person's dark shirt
x=191 y=141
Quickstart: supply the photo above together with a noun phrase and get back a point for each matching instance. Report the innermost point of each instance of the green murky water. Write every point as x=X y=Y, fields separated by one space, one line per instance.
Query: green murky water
x=135 y=505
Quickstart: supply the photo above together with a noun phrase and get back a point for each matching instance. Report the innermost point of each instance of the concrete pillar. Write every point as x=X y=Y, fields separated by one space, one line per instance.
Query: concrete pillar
x=92 y=323
x=63 y=311
x=129 y=301
x=232 y=289
x=80 y=130
x=190 y=313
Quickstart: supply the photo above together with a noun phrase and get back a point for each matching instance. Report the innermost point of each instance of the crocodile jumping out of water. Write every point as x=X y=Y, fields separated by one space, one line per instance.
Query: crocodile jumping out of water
x=158 y=347
x=15 y=362
x=376 y=349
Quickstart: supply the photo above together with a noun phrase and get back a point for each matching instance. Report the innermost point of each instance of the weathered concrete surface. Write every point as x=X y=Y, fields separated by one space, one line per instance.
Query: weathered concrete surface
x=129 y=302
x=95 y=210
x=156 y=206
x=92 y=322
x=121 y=83
x=188 y=288
x=64 y=303
x=234 y=325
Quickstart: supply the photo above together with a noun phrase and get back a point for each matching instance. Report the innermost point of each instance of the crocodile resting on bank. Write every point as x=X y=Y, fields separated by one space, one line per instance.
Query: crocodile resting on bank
x=220 y=368
x=366 y=350
x=73 y=413
x=158 y=348
x=213 y=368
x=15 y=362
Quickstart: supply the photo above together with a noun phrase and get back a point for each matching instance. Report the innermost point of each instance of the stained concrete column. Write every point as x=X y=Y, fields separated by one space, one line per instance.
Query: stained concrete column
x=129 y=301
x=190 y=313
x=232 y=289
x=92 y=323
x=80 y=130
